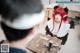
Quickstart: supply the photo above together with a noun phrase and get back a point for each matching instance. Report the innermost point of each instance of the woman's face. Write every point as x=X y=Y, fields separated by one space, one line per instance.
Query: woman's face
x=57 y=18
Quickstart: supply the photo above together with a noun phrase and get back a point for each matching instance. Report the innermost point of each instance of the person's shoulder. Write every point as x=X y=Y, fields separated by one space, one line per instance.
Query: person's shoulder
x=50 y=21
x=67 y=26
x=16 y=50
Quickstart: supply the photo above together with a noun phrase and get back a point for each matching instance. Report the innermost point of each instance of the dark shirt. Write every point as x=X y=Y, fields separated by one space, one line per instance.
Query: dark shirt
x=16 y=50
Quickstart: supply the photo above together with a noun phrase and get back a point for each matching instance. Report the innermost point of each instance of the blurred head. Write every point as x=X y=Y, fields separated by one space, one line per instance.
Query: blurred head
x=60 y=14
x=19 y=17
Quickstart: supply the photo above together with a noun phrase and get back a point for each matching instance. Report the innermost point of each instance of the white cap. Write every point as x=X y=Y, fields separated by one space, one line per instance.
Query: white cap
x=26 y=21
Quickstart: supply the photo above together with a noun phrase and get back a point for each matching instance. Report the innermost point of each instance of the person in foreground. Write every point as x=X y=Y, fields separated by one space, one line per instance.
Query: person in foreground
x=19 y=21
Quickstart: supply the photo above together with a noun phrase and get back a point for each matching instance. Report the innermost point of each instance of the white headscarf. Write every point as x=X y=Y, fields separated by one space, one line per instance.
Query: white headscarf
x=26 y=21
